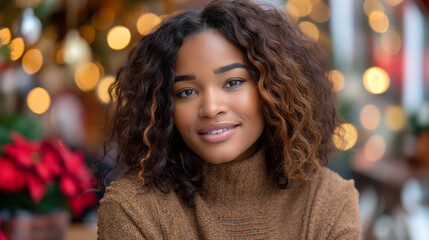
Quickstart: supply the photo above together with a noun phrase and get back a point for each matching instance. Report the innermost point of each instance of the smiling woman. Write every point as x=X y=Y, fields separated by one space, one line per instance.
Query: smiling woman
x=224 y=118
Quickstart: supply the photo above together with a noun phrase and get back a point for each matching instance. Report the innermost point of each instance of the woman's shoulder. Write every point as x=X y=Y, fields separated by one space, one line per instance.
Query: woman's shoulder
x=332 y=207
x=129 y=187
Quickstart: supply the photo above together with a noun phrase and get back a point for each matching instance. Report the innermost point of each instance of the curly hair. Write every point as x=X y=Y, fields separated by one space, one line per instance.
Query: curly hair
x=289 y=69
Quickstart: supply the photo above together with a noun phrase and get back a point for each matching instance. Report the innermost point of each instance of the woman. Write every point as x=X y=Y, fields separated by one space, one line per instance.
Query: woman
x=224 y=118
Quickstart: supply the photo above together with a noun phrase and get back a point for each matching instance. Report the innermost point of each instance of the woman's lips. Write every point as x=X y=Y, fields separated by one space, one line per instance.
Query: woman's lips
x=217 y=133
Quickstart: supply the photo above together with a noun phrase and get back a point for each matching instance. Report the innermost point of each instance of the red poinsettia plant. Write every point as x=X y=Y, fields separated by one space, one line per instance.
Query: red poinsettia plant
x=43 y=176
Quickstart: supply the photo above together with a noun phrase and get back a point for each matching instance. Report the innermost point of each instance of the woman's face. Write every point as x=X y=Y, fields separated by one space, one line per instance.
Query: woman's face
x=217 y=107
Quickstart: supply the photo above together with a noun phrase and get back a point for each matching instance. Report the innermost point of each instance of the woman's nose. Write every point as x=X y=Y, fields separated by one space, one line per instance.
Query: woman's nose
x=212 y=104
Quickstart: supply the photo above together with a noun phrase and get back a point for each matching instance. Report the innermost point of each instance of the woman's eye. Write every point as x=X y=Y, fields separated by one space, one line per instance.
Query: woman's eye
x=186 y=93
x=233 y=83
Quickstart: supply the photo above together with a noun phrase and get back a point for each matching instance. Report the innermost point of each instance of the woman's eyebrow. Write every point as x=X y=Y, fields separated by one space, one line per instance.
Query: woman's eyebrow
x=229 y=67
x=220 y=70
x=186 y=77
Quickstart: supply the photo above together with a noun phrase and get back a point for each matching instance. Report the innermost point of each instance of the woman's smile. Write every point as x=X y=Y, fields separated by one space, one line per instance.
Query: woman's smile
x=216 y=133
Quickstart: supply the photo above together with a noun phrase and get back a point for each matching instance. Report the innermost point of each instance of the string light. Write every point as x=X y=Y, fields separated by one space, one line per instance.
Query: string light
x=376 y=80
x=345 y=136
x=147 y=22
x=118 y=37
x=337 y=79
x=395 y=118
x=38 y=100
x=375 y=148
x=309 y=29
x=370 y=117
x=32 y=61
x=102 y=89
x=17 y=47
x=87 y=76
x=5 y=36
x=378 y=21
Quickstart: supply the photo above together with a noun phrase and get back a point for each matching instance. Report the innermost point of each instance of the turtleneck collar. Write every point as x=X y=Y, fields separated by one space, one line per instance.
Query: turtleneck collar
x=237 y=180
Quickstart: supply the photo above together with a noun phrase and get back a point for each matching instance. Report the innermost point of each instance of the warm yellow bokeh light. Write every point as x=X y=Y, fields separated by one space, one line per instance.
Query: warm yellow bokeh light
x=391 y=42
x=347 y=138
x=292 y=11
x=59 y=56
x=87 y=76
x=17 y=47
x=118 y=37
x=302 y=6
x=337 y=79
x=309 y=29
x=38 y=100
x=376 y=80
x=87 y=32
x=147 y=22
x=5 y=36
x=102 y=88
x=378 y=21
x=103 y=18
x=395 y=118
x=370 y=117
x=393 y=3
x=320 y=12
x=32 y=61
x=370 y=6
x=375 y=148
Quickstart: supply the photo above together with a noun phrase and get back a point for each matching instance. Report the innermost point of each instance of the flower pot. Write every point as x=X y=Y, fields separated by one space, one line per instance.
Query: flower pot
x=27 y=225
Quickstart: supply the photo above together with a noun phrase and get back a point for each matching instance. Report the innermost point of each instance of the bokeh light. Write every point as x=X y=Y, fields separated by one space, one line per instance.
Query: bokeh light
x=345 y=136
x=370 y=117
x=393 y=3
x=395 y=118
x=32 y=61
x=370 y=6
x=38 y=100
x=292 y=11
x=87 y=32
x=118 y=37
x=5 y=36
x=378 y=21
x=59 y=56
x=87 y=76
x=147 y=22
x=337 y=79
x=376 y=80
x=391 y=42
x=309 y=29
x=303 y=7
x=375 y=148
x=103 y=18
x=17 y=47
x=102 y=89
x=320 y=12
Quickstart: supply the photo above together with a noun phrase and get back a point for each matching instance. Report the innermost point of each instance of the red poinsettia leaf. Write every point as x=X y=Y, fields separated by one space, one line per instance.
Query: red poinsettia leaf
x=36 y=187
x=79 y=203
x=69 y=186
x=12 y=179
x=2 y=235
x=43 y=171
x=50 y=159
x=24 y=152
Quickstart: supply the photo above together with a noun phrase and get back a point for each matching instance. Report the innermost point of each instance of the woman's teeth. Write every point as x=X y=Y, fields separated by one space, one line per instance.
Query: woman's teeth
x=219 y=130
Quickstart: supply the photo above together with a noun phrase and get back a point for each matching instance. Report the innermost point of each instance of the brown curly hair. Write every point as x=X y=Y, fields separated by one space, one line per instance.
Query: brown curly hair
x=291 y=74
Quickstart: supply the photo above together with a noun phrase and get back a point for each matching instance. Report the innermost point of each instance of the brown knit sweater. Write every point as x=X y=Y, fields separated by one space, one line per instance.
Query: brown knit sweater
x=240 y=202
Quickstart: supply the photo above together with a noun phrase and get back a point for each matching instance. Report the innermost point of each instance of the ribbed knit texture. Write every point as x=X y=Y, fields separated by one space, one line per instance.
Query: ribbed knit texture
x=239 y=201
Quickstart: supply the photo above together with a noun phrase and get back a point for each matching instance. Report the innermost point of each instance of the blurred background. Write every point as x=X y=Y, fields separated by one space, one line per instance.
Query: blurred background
x=58 y=57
